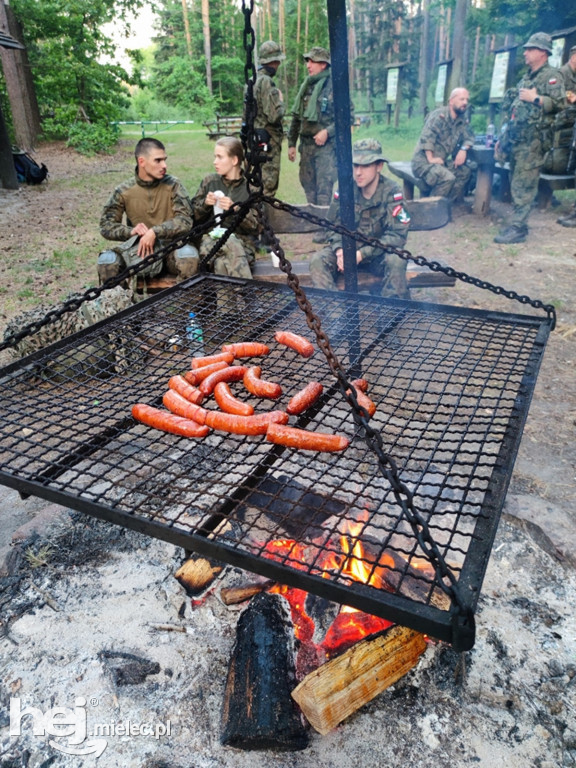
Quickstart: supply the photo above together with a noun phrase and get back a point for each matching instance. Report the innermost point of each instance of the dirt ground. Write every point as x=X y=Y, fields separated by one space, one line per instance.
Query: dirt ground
x=105 y=590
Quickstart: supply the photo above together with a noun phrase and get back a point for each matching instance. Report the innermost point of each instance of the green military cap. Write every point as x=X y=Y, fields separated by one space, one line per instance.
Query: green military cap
x=539 y=40
x=270 y=51
x=366 y=152
x=318 y=54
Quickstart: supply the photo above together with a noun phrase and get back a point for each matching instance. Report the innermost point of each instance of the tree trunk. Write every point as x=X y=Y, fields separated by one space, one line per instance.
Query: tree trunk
x=8 y=178
x=21 y=92
x=424 y=68
x=458 y=41
x=207 y=47
x=187 y=27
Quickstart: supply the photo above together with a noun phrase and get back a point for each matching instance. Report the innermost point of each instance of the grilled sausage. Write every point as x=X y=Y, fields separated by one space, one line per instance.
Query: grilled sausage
x=200 y=362
x=231 y=373
x=198 y=375
x=259 y=387
x=180 y=385
x=225 y=422
x=295 y=342
x=247 y=349
x=304 y=439
x=305 y=398
x=168 y=422
x=360 y=384
x=230 y=404
x=364 y=401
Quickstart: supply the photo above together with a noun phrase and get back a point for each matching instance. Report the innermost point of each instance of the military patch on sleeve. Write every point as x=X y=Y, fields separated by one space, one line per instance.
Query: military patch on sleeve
x=336 y=195
x=553 y=81
x=398 y=196
x=401 y=214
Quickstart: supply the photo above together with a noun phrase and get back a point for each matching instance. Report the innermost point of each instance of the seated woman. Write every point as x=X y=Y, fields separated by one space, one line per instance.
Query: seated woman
x=238 y=253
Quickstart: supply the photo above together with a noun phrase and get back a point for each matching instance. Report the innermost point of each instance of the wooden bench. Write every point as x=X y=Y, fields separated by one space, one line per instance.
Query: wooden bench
x=404 y=171
x=430 y=213
x=223 y=125
x=548 y=183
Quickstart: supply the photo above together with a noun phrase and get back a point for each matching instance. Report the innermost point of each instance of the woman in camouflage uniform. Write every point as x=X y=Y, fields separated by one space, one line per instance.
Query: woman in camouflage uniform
x=229 y=183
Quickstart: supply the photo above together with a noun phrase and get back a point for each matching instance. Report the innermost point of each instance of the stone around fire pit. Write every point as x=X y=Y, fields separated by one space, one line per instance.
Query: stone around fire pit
x=515 y=707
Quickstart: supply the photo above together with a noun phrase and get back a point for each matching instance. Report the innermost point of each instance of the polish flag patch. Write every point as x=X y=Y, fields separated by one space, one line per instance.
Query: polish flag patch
x=398 y=196
x=553 y=81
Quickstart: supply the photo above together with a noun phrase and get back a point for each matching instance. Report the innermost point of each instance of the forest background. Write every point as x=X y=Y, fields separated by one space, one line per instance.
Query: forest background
x=193 y=66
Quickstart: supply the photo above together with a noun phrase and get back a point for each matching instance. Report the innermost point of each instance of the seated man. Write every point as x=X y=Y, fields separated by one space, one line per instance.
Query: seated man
x=379 y=213
x=441 y=153
x=156 y=210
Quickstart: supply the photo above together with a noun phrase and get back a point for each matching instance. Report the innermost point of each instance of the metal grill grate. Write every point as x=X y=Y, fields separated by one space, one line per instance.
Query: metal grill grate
x=452 y=387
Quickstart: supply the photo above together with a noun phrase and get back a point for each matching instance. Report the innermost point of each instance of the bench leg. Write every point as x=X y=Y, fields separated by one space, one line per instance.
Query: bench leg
x=544 y=196
x=408 y=189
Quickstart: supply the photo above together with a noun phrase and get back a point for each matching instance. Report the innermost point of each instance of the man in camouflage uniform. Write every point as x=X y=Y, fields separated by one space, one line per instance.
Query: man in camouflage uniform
x=441 y=153
x=568 y=72
x=269 y=113
x=313 y=124
x=378 y=212
x=156 y=209
x=528 y=113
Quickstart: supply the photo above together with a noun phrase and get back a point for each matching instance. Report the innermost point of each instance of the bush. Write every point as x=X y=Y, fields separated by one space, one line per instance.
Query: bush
x=90 y=138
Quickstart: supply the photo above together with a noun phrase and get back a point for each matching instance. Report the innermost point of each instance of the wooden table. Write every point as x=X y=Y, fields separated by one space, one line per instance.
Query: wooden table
x=484 y=156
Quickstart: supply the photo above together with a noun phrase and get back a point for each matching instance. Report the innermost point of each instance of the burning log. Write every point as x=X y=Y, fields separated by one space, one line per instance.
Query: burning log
x=197 y=574
x=235 y=595
x=341 y=686
x=258 y=711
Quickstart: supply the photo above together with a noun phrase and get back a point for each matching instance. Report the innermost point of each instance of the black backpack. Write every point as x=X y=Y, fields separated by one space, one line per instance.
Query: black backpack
x=28 y=170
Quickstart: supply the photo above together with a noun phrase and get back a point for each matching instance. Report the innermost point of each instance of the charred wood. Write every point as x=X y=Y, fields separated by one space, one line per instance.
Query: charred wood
x=258 y=711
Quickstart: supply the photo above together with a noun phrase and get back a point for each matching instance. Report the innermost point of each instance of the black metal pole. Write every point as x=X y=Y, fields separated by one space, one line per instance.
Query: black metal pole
x=341 y=87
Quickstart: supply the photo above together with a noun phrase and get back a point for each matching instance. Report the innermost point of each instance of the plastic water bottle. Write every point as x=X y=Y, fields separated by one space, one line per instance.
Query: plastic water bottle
x=490 y=135
x=194 y=335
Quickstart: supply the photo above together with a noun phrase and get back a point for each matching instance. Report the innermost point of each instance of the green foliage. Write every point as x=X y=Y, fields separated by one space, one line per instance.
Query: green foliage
x=90 y=138
x=177 y=83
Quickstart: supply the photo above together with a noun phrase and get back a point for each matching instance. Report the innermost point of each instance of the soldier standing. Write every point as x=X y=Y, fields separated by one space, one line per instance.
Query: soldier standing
x=313 y=124
x=269 y=113
x=528 y=114
x=441 y=153
x=379 y=212
x=568 y=72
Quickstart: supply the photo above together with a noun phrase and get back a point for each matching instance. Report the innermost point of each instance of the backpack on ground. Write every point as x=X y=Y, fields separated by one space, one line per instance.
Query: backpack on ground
x=28 y=170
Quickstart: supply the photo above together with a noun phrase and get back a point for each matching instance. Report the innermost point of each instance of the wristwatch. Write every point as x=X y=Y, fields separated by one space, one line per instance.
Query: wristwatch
x=536 y=101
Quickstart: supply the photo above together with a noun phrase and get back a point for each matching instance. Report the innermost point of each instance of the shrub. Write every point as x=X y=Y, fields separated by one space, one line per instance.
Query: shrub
x=90 y=138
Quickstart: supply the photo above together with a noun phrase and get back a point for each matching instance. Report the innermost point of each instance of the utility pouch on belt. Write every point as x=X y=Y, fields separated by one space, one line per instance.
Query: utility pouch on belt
x=128 y=251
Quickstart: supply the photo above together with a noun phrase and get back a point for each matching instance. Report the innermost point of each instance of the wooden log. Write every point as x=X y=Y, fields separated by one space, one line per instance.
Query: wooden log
x=258 y=711
x=197 y=574
x=235 y=595
x=341 y=686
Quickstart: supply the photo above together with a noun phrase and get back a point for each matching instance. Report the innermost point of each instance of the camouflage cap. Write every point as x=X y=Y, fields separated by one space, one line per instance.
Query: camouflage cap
x=270 y=51
x=572 y=50
x=366 y=152
x=318 y=54
x=540 y=40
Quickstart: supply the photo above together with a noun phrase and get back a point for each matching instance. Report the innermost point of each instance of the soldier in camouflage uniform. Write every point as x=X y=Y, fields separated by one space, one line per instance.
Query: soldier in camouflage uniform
x=568 y=72
x=269 y=113
x=441 y=153
x=379 y=212
x=225 y=188
x=528 y=114
x=156 y=209
x=313 y=123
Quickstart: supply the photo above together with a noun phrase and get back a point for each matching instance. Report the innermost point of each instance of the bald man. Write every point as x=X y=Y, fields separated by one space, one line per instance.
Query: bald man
x=441 y=153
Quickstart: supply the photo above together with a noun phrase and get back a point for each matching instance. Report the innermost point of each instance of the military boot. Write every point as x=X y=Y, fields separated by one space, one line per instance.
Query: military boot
x=513 y=234
x=108 y=265
x=568 y=221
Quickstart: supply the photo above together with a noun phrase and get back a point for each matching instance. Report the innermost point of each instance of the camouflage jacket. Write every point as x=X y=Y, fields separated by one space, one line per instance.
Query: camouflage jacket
x=161 y=204
x=237 y=191
x=526 y=121
x=269 y=105
x=299 y=126
x=443 y=136
x=382 y=216
x=569 y=77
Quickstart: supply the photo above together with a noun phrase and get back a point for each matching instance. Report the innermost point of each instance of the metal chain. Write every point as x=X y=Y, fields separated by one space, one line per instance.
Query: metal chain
x=254 y=157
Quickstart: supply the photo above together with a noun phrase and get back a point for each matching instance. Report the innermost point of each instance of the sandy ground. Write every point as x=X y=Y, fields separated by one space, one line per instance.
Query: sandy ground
x=515 y=706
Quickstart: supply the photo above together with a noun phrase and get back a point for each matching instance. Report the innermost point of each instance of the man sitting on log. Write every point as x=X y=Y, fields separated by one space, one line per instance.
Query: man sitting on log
x=379 y=212
x=441 y=153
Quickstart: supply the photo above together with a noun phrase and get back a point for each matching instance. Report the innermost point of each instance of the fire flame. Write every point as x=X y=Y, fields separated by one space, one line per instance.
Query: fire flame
x=350 y=562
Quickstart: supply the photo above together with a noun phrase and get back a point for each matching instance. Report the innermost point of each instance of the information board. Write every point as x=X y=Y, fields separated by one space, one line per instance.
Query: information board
x=499 y=76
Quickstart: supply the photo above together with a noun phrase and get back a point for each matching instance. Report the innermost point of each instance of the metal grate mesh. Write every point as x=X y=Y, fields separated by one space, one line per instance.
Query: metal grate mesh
x=452 y=388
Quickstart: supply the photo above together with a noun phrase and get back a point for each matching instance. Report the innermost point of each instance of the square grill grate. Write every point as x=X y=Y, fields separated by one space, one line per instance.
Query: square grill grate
x=452 y=388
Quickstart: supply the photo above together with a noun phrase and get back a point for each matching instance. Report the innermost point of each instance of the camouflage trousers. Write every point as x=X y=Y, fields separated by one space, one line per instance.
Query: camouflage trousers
x=526 y=160
x=233 y=259
x=390 y=267
x=317 y=171
x=444 y=180
x=271 y=168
